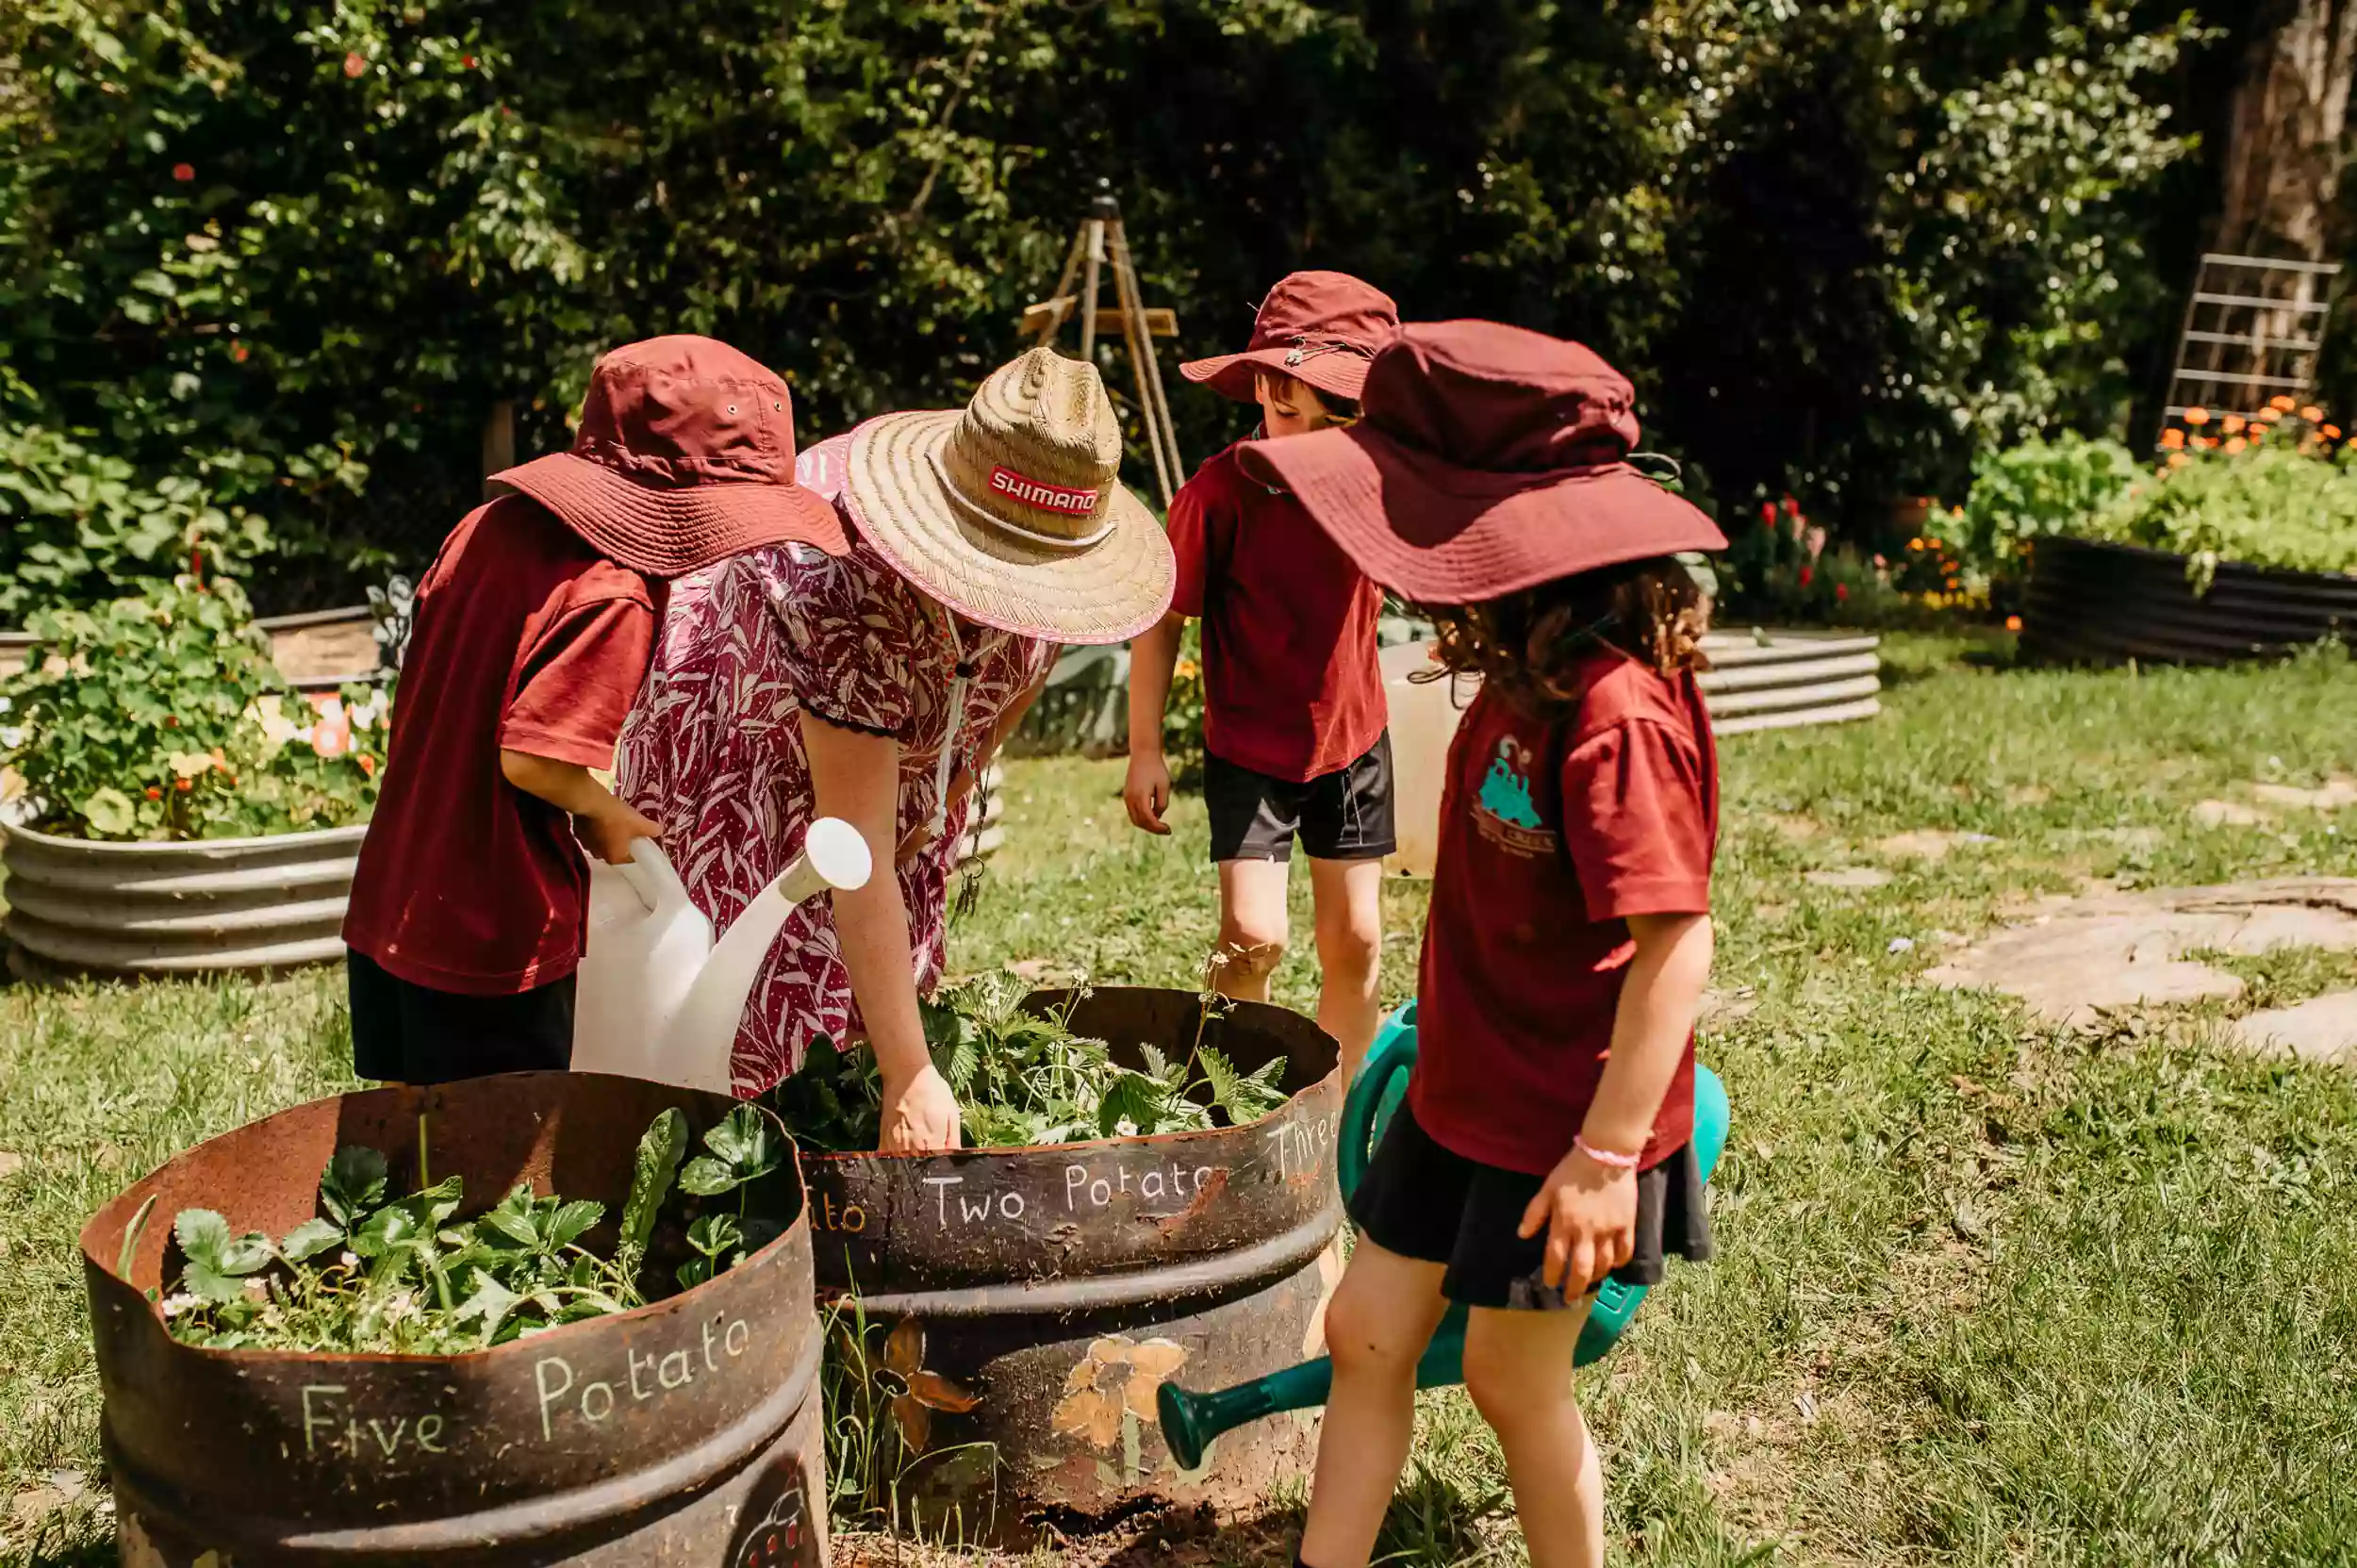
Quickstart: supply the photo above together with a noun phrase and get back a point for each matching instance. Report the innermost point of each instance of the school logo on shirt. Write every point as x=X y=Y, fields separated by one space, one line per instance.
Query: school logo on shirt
x=1503 y=811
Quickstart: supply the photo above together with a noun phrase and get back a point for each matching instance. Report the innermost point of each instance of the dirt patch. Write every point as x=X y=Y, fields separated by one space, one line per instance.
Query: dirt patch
x=1851 y=878
x=2226 y=813
x=2321 y=1030
x=1931 y=842
x=2113 y=951
x=2338 y=794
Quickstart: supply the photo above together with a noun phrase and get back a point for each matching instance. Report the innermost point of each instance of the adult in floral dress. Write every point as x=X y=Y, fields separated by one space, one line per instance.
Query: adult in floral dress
x=877 y=688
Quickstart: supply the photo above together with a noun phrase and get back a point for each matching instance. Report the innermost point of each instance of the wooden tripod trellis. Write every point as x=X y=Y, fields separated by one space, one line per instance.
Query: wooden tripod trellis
x=2252 y=329
x=1101 y=244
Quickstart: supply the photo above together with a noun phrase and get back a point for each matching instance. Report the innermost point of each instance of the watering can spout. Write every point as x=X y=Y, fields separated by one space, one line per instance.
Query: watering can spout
x=703 y=1033
x=658 y=998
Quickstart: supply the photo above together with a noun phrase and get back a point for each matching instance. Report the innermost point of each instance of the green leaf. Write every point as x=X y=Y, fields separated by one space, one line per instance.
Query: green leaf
x=713 y=1234
x=489 y=1305
x=742 y=1138
x=205 y=1239
x=706 y=1176
x=309 y=1239
x=213 y=1284
x=387 y=1231
x=514 y=1218
x=353 y=1180
x=574 y=1220
x=109 y=810
x=693 y=1273
x=659 y=1152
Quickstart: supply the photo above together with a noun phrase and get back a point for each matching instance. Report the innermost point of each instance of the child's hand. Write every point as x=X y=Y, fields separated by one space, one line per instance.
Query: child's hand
x=1146 y=793
x=919 y=1116
x=1588 y=1212
x=609 y=832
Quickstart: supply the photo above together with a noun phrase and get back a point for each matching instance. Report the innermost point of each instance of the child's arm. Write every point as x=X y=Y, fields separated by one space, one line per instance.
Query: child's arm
x=856 y=776
x=1152 y=658
x=1589 y=1207
x=605 y=823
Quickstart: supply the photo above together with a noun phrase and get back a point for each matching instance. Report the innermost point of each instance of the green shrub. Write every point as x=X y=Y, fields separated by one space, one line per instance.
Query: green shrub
x=2281 y=496
x=161 y=717
x=2036 y=488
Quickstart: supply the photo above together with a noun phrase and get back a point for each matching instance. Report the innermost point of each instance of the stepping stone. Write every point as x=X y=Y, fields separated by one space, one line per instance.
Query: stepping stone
x=2112 y=951
x=2337 y=795
x=2226 y=813
x=1931 y=842
x=1858 y=878
x=2324 y=1030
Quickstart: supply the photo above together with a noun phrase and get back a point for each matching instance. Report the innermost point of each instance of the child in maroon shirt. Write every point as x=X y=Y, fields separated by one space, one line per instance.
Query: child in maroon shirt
x=1295 y=719
x=534 y=631
x=1545 y=1141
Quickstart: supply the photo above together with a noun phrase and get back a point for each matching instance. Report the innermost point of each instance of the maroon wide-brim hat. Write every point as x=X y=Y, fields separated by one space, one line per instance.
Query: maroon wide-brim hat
x=1320 y=327
x=685 y=457
x=1488 y=460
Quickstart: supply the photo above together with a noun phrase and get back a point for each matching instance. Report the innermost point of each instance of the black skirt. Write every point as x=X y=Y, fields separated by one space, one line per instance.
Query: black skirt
x=1423 y=1201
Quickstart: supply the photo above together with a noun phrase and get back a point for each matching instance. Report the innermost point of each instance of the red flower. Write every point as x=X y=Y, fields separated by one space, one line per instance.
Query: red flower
x=1767 y=514
x=1792 y=507
x=466 y=62
x=1841 y=591
x=154 y=794
x=354 y=64
x=236 y=351
x=187 y=784
x=184 y=171
x=1808 y=575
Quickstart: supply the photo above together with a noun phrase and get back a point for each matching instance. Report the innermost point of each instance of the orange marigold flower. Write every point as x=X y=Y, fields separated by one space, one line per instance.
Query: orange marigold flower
x=1935 y=544
x=2313 y=414
x=2172 y=440
x=184 y=785
x=2231 y=424
x=2013 y=623
x=154 y=794
x=2280 y=404
x=2208 y=443
x=2330 y=432
x=2178 y=459
x=2197 y=416
x=2235 y=445
x=2270 y=413
x=1915 y=544
x=367 y=764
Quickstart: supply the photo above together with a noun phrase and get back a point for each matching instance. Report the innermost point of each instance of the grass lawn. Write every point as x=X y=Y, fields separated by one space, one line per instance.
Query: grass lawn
x=1988 y=1292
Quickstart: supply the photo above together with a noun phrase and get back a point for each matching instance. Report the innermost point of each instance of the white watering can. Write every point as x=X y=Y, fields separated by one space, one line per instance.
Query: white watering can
x=657 y=997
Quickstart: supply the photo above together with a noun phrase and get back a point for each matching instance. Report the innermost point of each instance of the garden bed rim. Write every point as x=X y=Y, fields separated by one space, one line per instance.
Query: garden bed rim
x=134 y=848
x=105 y=1219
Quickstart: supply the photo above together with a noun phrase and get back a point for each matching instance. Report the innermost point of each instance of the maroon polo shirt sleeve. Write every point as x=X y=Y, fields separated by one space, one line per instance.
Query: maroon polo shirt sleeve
x=578 y=682
x=1202 y=536
x=1637 y=822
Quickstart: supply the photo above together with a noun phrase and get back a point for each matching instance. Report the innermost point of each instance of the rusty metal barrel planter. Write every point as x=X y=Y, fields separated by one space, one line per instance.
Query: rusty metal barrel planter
x=198 y=906
x=685 y=1432
x=2091 y=602
x=1037 y=1297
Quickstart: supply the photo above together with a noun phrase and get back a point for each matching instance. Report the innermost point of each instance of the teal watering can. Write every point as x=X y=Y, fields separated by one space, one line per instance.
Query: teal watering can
x=1190 y=1421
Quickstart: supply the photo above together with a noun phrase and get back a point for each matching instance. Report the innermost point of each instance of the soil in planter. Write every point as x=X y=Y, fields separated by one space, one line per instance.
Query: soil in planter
x=1024 y=1080
x=377 y=1275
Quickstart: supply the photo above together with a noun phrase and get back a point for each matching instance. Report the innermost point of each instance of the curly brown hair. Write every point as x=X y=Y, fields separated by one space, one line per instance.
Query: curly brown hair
x=1530 y=645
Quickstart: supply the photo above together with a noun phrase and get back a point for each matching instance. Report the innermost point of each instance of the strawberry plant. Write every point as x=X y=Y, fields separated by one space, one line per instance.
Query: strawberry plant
x=405 y=1276
x=1023 y=1080
x=161 y=717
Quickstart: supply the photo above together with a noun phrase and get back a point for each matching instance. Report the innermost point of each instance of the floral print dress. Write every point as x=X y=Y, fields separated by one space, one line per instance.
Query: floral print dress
x=713 y=751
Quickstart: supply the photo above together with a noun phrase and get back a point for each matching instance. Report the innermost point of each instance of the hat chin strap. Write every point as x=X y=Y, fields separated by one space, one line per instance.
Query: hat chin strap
x=947 y=765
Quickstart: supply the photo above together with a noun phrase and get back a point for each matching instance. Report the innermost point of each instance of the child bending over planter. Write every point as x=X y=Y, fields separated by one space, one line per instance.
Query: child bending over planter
x=1293 y=724
x=1546 y=1140
x=532 y=634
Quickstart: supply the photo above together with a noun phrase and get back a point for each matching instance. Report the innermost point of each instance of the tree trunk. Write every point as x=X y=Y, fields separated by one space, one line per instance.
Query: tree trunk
x=2285 y=142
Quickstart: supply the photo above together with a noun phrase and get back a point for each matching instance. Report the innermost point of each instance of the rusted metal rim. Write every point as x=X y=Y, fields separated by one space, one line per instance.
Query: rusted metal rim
x=513 y=1525
x=495 y=1476
x=1239 y=1272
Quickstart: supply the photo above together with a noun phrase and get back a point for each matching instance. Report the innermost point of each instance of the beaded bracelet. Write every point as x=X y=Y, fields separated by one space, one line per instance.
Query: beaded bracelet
x=1604 y=1156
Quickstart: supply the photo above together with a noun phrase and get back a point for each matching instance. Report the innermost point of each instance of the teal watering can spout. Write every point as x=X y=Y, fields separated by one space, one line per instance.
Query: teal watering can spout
x=1190 y=1421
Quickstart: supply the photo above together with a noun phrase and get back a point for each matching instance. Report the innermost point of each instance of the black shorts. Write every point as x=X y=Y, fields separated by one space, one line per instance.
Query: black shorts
x=1346 y=814
x=402 y=1033
x=1423 y=1201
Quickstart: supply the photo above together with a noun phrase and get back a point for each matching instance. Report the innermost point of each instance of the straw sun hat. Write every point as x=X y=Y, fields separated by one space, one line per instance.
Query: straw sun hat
x=1012 y=511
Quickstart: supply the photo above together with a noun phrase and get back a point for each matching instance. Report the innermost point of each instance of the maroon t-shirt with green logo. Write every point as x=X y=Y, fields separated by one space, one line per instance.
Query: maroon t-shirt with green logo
x=1290 y=687
x=528 y=640
x=1552 y=835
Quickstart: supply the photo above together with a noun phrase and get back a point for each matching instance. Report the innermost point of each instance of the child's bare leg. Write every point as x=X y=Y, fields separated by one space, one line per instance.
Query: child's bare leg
x=1376 y=1326
x=1349 y=902
x=1518 y=1368
x=1252 y=928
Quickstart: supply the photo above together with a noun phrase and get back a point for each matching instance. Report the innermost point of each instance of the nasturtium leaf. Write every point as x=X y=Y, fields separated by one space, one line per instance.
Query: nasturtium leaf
x=109 y=810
